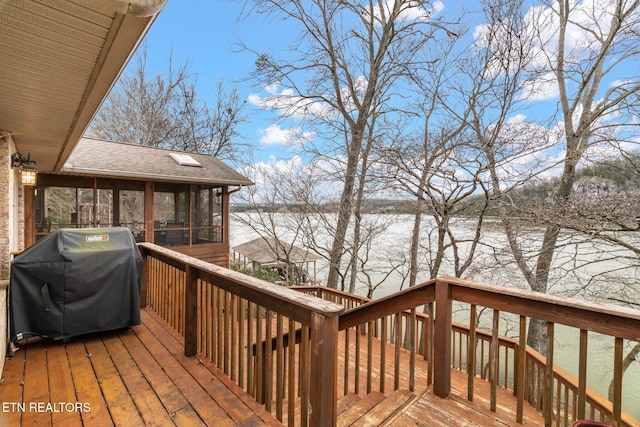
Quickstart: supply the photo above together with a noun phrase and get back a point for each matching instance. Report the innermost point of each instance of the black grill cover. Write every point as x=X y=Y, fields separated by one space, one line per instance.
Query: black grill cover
x=76 y=281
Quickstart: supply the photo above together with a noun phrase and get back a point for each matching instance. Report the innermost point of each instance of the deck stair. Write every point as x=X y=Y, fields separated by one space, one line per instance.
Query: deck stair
x=374 y=409
x=405 y=409
x=427 y=409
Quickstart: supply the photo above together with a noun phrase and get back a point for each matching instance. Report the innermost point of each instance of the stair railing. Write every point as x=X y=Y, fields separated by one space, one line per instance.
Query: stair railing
x=482 y=353
x=228 y=317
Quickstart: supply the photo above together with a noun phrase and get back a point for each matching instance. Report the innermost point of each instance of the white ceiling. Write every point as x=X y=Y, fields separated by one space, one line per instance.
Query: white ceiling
x=59 y=60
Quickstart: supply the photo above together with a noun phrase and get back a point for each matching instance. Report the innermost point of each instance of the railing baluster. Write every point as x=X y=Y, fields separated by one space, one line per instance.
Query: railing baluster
x=412 y=349
x=369 y=356
x=251 y=388
x=191 y=312
x=493 y=359
x=459 y=351
x=304 y=376
x=211 y=337
x=356 y=367
x=226 y=331
x=163 y=272
x=268 y=360
x=521 y=379
x=471 y=352
x=430 y=341
x=234 y=339
x=567 y=397
x=547 y=396
x=146 y=279
x=582 y=374
x=347 y=351
x=398 y=341
x=260 y=377
x=383 y=358
x=291 y=392
x=539 y=387
x=241 y=327
x=181 y=295
x=558 y=399
x=202 y=317
x=279 y=366
x=617 y=381
x=215 y=325
x=506 y=366
x=423 y=339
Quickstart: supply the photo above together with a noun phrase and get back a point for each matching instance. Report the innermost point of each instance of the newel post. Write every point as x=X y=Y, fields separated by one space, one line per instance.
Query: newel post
x=191 y=312
x=442 y=340
x=324 y=370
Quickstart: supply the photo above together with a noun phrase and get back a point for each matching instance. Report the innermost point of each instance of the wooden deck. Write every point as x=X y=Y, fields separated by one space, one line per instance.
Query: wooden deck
x=140 y=376
x=126 y=378
x=431 y=410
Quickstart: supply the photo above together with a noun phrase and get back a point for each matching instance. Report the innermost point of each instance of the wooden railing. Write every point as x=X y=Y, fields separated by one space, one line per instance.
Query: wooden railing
x=232 y=318
x=283 y=347
x=504 y=362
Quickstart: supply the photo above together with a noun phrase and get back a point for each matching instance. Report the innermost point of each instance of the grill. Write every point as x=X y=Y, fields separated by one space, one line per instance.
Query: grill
x=74 y=282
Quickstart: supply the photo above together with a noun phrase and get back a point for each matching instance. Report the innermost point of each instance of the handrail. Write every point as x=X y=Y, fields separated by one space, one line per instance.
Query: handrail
x=409 y=298
x=267 y=337
x=619 y=322
x=281 y=299
x=229 y=316
x=610 y=320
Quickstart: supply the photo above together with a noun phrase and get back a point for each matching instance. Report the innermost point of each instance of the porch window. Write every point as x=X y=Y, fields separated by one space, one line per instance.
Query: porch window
x=131 y=212
x=170 y=227
x=64 y=207
x=183 y=215
x=207 y=215
x=188 y=217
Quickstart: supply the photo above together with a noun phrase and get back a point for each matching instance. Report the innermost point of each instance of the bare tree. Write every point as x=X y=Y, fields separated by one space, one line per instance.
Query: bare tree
x=525 y=51
x=141 y=109
x=348 y=58
x=166 y=110
x=279 y=210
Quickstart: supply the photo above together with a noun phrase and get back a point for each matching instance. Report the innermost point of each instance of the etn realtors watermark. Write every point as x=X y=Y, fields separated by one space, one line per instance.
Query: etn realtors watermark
x=45 y=407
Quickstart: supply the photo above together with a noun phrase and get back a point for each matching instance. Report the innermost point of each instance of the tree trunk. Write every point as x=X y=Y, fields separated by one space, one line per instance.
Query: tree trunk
x=344 y=211
x=626 y=362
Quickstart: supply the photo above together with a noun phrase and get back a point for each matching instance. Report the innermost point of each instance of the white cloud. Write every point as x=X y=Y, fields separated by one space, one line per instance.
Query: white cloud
x=412 y=11
x=589 y=25
x=272 y=88
x=540 y=89
x=288 y=104
x=527 y=149
x=275 y=135
x=275 y=179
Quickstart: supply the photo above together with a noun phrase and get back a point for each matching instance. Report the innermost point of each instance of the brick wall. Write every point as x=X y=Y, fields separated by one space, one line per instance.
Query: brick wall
x=11 y=206
x=8 y=232
x=6 y=206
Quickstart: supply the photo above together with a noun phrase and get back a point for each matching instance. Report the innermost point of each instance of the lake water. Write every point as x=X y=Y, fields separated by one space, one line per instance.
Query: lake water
x=600 y=271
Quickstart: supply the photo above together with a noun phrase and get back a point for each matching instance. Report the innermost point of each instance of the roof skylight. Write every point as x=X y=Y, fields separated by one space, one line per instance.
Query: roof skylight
x=185 y=160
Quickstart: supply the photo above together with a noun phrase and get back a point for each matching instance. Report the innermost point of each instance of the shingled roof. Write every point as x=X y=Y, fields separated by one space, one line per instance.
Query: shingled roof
x=93 y=157
x=263 y=251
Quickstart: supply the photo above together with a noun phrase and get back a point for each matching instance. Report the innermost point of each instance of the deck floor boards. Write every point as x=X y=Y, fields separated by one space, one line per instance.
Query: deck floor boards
x=129 y=377
x=140 y=376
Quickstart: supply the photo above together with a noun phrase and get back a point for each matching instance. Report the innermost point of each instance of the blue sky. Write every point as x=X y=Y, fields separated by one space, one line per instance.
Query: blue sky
x=207 y=32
